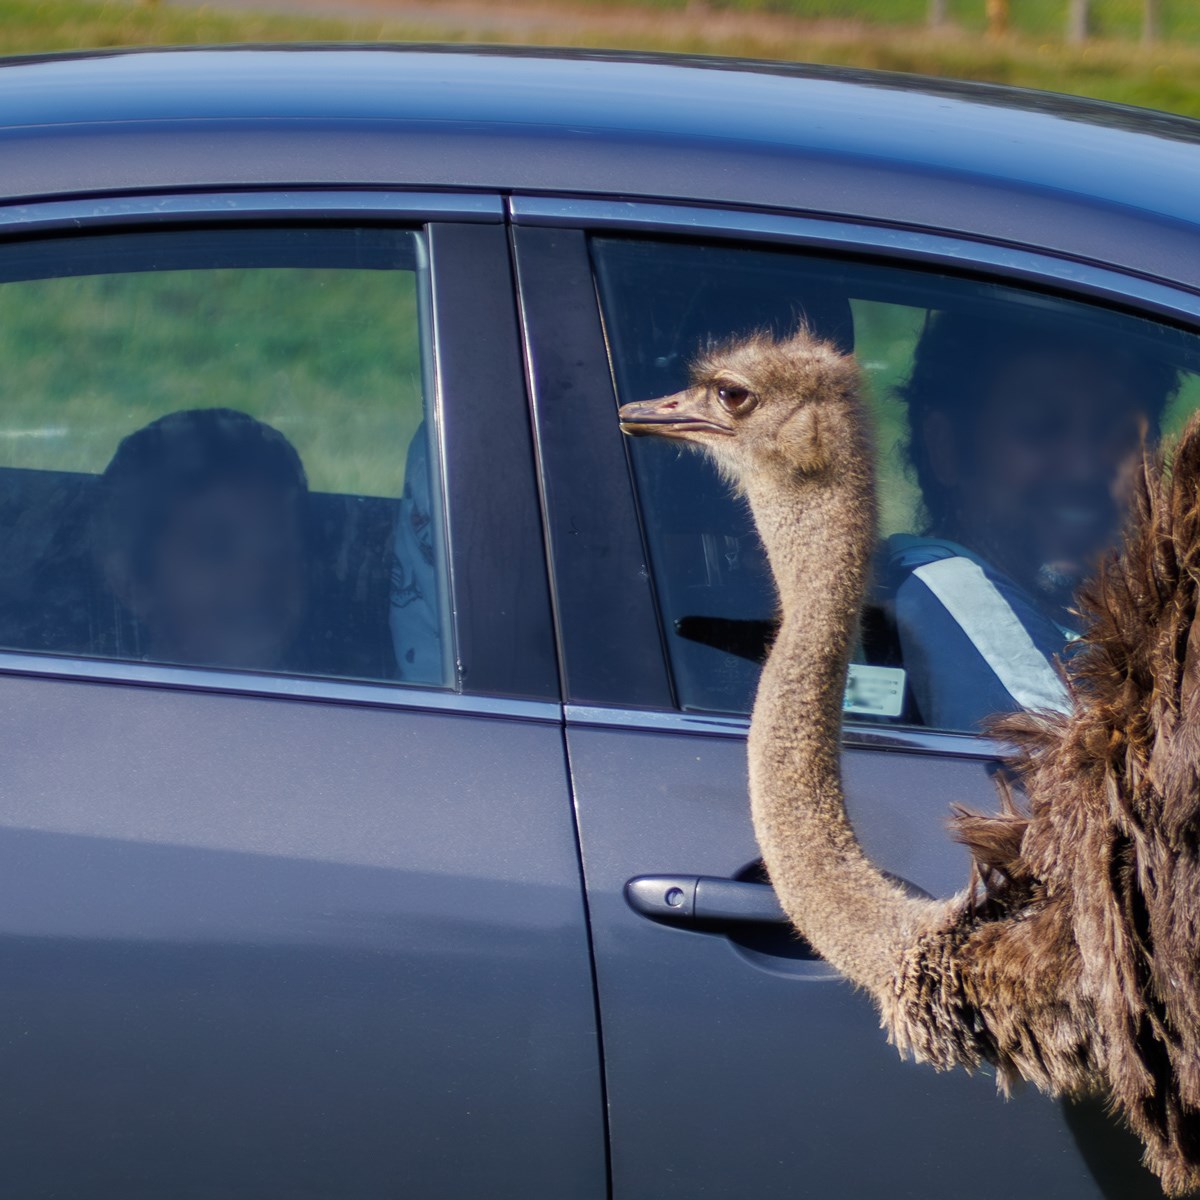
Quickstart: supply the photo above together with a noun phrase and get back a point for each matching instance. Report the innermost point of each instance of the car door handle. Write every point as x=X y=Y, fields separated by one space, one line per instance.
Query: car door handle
x=708 y=899
x=700 y=899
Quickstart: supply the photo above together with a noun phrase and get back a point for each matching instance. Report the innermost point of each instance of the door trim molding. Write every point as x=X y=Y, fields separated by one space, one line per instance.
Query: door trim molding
x=854 y=736
x=263 y=205
x=280 y=687
x=908 y=245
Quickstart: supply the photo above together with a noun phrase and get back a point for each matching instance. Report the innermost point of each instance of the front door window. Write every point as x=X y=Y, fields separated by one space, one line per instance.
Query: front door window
x=1006 y=423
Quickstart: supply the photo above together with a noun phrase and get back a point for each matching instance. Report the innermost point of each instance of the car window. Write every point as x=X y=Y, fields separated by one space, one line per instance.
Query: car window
x=217 y=449
x=1006 y=425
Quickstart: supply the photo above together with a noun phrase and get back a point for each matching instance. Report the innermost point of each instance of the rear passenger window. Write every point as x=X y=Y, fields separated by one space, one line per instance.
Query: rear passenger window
x=1006 y=425
x=217 y=449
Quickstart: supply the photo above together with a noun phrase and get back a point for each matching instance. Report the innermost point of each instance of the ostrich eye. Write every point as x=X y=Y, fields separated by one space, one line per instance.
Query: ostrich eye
x=735 y=399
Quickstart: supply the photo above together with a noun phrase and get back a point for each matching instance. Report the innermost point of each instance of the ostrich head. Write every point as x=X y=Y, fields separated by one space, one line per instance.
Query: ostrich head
x=763 y=408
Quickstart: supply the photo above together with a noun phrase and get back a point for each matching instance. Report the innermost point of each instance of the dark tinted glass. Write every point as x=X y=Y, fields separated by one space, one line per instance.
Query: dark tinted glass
x=215 y=450
x=1005 y=422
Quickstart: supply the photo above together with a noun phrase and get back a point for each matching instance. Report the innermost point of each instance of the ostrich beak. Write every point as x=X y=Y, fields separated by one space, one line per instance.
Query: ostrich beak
x=680 y=416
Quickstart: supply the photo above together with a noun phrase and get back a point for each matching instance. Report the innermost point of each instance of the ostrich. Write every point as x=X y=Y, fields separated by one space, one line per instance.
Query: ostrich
x=1072 y=959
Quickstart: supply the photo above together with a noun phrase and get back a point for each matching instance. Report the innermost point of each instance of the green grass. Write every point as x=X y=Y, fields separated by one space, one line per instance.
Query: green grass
x=1112 y=68
x=329 y=357
x=33 y=26
x=1180 y=19
x=885 y=337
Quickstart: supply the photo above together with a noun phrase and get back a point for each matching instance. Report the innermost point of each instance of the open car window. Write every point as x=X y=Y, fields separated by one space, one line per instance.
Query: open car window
x=217 y=450
x=1006 y=425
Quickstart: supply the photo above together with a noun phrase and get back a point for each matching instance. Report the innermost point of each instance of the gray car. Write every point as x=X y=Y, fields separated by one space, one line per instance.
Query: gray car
x=373 y=818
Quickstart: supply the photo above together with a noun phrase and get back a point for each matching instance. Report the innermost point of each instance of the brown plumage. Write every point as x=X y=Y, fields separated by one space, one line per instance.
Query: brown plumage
x=1072 y=961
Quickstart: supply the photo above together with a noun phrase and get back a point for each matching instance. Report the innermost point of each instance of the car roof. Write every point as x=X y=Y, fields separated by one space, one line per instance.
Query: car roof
x=966 y=158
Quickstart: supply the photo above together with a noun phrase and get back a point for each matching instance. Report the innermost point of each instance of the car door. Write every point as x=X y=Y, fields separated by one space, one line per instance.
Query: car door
x=737 y=1062
x=280 y=916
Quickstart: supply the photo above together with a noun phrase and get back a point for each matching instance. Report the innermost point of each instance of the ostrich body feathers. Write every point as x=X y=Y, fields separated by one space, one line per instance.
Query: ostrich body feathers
x=1096 y=883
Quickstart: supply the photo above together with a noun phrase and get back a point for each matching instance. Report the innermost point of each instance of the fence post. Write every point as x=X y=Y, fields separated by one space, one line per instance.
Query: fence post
x=1078 y=20
x=1151 y=21
x=997 y=17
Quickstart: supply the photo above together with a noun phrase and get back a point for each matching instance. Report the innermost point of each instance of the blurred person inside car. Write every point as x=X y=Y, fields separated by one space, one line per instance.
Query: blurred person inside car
x=201 y=533
x=1024 y=432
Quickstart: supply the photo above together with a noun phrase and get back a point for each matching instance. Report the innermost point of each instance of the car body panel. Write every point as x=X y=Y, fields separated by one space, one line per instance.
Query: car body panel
x=1077 y=177
x=264 y=947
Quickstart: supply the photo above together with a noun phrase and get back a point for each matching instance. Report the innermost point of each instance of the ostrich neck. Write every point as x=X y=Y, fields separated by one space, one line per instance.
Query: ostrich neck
x=818 y=534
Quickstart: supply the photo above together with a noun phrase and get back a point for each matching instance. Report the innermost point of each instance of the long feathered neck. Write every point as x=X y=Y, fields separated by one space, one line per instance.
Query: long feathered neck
x=818 y=531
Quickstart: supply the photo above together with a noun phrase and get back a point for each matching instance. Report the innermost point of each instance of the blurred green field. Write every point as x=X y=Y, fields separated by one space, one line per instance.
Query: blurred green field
x=331 y=358
x=885 y=34
x=885 y=336
x=35 y=26
x=1179 y=19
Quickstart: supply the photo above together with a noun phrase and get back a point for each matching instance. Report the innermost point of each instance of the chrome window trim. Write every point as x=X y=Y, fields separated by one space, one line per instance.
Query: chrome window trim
x=279 y=687
x=906 y=245
x=854 y=737
x=326 y=204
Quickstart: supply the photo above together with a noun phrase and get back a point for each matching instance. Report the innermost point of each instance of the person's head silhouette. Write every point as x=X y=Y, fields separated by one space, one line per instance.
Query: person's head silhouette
x=201 y=534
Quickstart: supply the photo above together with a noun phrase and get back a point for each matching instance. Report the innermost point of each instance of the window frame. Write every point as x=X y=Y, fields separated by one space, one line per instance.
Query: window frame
x=504 y=655
x=550 y=236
